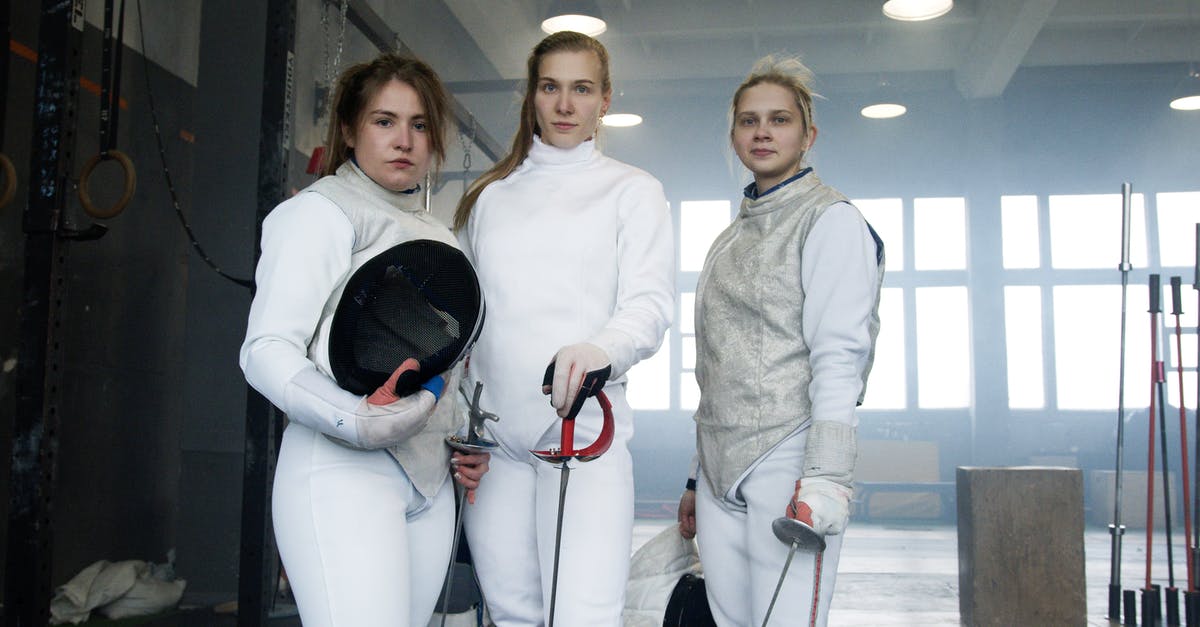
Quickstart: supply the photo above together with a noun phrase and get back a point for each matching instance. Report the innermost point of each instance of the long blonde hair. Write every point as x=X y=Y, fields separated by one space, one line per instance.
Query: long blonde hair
x=359 y=83
x=564 y=41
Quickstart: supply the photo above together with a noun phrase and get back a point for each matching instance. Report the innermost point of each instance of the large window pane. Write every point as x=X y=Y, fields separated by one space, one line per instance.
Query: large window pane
x=689 y=391
x=700 y=222
x=886 y=385
x=687 y=352
x=1019 y=220
x=886 y=216
x=650 y=380
x=1023 y=333
x=1178 y=214
x=1085 y=231
x=939 y=234
x=687 y=312
x=943 y=348
x=1087 y=345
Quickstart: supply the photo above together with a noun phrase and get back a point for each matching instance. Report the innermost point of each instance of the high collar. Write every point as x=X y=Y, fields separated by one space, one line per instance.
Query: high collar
x=751 y=190
x=544 y=154
x=781 y=195
x=407 y=200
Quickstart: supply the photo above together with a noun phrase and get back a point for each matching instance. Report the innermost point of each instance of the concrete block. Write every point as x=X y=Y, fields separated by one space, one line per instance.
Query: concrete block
x=1020 y=546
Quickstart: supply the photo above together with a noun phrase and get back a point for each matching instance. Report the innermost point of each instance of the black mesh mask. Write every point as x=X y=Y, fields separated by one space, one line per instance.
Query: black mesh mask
x=419 y=299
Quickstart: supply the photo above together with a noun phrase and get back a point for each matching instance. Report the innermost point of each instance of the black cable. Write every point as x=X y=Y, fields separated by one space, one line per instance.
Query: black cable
x=162 y=155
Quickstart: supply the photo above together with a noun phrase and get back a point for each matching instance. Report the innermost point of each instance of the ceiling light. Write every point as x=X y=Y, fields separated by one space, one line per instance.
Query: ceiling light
x=1188 y=93
x=883 y=111
x=581 y=16
x=916 y=10
x=621 y=119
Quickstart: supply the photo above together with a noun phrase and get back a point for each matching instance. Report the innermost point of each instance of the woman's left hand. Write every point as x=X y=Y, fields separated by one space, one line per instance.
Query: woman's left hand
x=469 y=471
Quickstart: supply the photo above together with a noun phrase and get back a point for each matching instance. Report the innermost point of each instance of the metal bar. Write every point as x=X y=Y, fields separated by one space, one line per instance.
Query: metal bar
x=1116 y=529
x=377 y=31
x=28 y=564
x=259 y=566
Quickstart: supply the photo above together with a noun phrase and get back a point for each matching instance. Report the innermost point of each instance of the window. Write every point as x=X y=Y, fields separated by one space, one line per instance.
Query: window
x=1023 y=329
x=1178 y=214
x=1019 y=219
x=940 y=234
x=887 y=384
x=1085 y=231
x=943 y=338
x=700 y=222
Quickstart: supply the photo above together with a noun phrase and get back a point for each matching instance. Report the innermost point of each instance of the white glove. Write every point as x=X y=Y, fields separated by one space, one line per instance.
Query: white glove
x=315 y=401
x=821 y=504
x=571 y=364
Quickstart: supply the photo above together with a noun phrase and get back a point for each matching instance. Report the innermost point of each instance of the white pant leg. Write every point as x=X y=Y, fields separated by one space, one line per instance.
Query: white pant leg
x=597 y=538
x=361 y=546
x=503 y=539
x=511 y=530
x=742 y=558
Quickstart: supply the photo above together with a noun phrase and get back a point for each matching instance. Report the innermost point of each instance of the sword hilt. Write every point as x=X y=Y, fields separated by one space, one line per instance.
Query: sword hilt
x=567 y=450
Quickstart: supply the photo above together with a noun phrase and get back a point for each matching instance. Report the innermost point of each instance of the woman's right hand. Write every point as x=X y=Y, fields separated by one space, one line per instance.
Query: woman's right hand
x=687 y=514
x=469 y=470
x=384 y=419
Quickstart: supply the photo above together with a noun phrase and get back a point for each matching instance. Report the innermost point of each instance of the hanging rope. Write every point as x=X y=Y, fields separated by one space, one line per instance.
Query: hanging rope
x=110 y=100
x=162 y=156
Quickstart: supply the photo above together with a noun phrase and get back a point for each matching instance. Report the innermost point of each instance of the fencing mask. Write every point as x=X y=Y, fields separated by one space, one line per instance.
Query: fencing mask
x=419 y=299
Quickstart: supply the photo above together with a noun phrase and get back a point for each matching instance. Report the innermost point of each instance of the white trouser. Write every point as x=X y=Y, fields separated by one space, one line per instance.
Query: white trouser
x=741 y=556
x=511 y=530
x=361 y=546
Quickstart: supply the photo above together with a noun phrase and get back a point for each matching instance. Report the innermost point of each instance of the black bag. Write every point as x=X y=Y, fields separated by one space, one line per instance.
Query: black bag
x=688 y=606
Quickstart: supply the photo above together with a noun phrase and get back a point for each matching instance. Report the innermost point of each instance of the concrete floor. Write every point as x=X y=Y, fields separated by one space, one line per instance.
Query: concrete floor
x=907 y=574
x=890 y=574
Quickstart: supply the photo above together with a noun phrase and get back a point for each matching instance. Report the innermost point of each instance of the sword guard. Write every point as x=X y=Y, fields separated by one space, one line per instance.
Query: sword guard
x=475 y=420
x=567 y=450
x=480 y=445
x=793 y=532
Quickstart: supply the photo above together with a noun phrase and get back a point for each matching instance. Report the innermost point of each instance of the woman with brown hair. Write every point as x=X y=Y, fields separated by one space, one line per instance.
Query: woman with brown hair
x=362 y=508
x=575 y=253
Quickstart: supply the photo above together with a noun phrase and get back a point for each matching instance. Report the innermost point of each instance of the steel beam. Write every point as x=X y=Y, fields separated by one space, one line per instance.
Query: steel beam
x=259 y=566
x=28 y=564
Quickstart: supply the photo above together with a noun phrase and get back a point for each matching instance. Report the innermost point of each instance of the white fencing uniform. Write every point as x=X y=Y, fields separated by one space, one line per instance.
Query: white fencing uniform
x=365 y=535
x=571 y=247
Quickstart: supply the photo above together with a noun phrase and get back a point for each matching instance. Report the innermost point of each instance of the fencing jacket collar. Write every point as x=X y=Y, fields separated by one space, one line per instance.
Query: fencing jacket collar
x=751 y=190
x=543 y=154
x=408 y=200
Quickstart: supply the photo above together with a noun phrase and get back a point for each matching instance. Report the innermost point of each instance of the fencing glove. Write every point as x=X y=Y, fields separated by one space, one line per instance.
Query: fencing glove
x=821 y=504
x=571 y=368
x=369 y=422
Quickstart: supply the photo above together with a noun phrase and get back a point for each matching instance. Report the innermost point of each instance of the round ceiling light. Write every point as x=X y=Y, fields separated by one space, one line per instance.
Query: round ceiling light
x=1186 y=103
x=883 y=111
x=621 y=119
x=585 y=24
x=916 y=10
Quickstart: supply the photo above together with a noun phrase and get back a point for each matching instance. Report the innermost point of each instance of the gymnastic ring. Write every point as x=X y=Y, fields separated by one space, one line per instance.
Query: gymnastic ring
x=10 y=180
x=85 y=198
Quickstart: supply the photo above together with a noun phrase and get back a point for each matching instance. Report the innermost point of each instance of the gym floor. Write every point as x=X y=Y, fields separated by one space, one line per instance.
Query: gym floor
x=890 y=574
